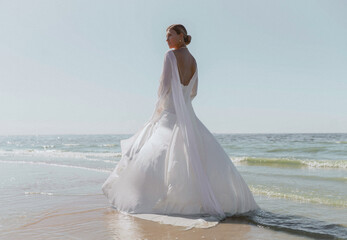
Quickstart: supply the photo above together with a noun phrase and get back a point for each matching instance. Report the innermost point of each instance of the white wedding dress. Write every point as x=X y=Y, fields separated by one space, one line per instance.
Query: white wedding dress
x=173 y=170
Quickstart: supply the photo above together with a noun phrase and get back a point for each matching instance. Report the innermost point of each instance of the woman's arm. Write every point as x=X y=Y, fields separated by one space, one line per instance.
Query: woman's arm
x=165 y=77
x=164 y=85
x=195 y=89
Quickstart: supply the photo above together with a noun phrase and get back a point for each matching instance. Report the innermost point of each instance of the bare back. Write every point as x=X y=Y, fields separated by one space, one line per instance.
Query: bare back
x=186 y=65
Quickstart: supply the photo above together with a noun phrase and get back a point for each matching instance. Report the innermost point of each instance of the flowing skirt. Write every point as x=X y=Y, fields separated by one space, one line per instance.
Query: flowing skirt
x=153 y=179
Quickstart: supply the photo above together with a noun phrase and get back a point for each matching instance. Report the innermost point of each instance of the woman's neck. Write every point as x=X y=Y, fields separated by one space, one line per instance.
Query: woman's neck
x=181 y=48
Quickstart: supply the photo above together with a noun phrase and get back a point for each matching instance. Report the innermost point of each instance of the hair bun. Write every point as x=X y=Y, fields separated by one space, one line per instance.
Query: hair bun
x=179 y=28
x=188 y=39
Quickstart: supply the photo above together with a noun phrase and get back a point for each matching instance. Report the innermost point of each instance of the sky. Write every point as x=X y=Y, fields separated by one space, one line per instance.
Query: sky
x=93 y=67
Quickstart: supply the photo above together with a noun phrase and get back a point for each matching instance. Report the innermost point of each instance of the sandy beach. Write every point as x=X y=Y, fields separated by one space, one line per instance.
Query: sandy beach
x=81 y=221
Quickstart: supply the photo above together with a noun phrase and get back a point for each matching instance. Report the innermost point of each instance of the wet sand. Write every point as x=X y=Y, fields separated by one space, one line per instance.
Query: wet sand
x=97 y=220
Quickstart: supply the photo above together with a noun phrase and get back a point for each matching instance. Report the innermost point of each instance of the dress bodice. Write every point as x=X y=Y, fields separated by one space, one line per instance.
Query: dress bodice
x=189 y=92
x=171 y=90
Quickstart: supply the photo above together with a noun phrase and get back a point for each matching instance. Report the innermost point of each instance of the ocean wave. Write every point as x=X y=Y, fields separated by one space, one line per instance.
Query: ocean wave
x=296 y=176
x=59 y=194
x=109 y=145
x=305 y=150
x=60 y=154
x=287 y=162
x=57 y=165
x=297 y=197
x=40 y=193
x=70 y=144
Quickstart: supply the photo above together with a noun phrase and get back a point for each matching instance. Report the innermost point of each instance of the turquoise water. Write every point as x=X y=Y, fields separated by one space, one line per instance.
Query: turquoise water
x=299 y=180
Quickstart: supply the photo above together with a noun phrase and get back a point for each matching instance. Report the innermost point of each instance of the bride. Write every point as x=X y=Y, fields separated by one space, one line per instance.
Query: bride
x=173 y=165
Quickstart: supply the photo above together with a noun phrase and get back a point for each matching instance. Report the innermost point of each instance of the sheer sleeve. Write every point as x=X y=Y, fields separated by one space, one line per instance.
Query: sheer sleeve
x=165 y=77
x=164 y=86
x=194 y=90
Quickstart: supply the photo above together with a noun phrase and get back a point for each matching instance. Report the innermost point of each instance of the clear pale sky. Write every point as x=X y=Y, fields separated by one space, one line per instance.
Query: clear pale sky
x=90 y=67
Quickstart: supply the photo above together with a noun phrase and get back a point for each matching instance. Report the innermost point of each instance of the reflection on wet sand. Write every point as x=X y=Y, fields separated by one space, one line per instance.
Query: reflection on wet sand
x=129 y=227
x=92 y=218
x=122 y=226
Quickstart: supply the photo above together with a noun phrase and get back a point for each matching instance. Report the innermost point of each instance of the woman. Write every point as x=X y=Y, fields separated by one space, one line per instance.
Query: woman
x=174 y=165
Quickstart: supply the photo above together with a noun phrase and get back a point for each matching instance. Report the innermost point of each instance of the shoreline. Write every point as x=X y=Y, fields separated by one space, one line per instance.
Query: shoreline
x=96 y=219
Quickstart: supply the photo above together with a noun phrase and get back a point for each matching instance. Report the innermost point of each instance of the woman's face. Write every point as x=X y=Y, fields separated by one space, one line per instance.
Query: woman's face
x=173 y=39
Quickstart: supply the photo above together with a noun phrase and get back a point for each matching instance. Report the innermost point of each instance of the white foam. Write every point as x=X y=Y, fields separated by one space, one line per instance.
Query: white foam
x=41 y=193
x=60 y=154
x=56 y=165
x=298 y=197
x=181 y=221
x=293 y=162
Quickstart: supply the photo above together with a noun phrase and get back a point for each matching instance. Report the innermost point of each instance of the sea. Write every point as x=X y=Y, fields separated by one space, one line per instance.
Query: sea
x=299 y=179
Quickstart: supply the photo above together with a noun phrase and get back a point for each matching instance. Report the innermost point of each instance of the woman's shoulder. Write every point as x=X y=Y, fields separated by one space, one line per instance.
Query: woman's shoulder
x=179 y=55
x=169 y=51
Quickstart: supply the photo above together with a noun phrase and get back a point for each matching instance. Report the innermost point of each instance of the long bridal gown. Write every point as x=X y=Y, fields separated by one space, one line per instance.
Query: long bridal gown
x=173 y=170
